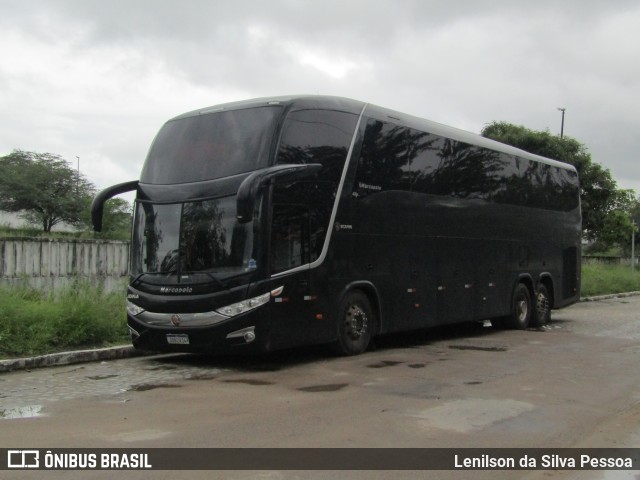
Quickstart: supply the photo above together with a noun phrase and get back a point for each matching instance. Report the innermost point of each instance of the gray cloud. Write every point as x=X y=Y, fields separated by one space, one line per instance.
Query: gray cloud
x=97 y=79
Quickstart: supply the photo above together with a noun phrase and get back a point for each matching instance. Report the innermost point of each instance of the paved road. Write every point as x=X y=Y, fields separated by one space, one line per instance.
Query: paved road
x=575 y=383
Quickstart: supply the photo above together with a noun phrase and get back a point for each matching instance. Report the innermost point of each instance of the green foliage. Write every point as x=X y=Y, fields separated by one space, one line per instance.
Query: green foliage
x=43 y=187
x=33 y=322
x=605 y=279
x=116 y=220
x=47 y=191
x=603 y=206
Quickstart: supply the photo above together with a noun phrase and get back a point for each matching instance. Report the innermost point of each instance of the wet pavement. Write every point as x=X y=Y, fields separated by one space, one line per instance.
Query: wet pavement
x=572 y=383
x=24 y=391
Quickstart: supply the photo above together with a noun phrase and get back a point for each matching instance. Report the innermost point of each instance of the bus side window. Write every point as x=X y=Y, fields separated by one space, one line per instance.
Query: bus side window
x=383 y=163
x=289 y=237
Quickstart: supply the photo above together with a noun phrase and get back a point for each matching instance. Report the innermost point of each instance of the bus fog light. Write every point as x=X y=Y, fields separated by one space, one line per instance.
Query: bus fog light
x=133 y=333
x=247 y=334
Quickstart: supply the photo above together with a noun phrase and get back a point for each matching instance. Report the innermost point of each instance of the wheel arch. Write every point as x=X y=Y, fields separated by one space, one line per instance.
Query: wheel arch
x=546 y=279
x=371 y=292
x=526 y=280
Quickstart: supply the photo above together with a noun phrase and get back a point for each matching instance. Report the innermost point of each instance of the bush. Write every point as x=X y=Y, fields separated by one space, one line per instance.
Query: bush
x=33 y=322
x=605 y=279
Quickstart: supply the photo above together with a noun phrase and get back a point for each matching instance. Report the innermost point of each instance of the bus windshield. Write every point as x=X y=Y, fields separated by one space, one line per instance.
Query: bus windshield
x=212 y=145
x=193 y=237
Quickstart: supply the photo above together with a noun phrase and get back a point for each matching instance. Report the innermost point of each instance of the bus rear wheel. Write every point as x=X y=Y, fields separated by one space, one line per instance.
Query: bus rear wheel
x=542 y=312
x=355 y=324
x=520 y=308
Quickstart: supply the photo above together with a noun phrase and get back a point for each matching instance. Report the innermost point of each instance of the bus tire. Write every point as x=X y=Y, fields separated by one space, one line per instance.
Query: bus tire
x=356 y=321
x=521 y=308
x=541 y=314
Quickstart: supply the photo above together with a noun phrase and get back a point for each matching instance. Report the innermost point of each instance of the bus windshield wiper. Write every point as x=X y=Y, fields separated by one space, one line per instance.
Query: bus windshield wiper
x=216 y=280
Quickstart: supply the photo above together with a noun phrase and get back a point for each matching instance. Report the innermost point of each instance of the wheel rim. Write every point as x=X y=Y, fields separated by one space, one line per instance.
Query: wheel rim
x=522 y=308
x=356 y=322
x=542 y=304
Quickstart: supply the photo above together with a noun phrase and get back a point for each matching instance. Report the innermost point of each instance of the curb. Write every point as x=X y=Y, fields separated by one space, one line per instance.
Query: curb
x=127 y=351
x=609 y=297
x=68 y=358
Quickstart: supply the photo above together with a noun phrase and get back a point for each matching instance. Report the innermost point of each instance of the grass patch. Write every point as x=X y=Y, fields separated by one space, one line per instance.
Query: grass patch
x=82 y=316
x=605 y=279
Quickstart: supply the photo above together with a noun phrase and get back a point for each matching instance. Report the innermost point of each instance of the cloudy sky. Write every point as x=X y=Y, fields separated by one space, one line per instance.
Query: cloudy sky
x=97 y=79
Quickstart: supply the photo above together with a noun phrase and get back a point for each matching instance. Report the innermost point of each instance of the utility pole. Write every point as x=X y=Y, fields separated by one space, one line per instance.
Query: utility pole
x=78 y=177
x=562 y=109
x=633 y=246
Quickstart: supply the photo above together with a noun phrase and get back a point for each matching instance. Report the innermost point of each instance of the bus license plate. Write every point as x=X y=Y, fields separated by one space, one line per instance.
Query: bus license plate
x=178 y=339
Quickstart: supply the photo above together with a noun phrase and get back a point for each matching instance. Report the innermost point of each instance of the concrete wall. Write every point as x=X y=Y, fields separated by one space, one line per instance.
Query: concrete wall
x=604 y=260
x=55 y=263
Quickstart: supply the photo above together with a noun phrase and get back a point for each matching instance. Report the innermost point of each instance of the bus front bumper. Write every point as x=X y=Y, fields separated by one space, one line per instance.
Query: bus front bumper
x=244 y=333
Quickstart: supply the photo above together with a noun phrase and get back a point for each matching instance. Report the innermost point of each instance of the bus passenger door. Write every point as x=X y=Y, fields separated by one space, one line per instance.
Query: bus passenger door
x=292 y=317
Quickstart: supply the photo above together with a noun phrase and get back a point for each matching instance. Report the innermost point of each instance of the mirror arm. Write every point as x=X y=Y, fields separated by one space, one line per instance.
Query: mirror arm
x=97 y=206
x=250 y=186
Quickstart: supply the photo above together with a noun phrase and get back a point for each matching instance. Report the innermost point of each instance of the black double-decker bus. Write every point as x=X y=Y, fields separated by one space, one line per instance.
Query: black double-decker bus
x=272 y=223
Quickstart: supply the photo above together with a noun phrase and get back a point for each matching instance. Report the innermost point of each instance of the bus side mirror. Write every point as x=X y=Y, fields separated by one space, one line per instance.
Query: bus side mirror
x=97 y=206
x=250 y=186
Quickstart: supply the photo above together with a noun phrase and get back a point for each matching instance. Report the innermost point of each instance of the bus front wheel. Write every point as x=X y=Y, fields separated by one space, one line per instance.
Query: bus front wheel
x=355 y=324
x=521 y=308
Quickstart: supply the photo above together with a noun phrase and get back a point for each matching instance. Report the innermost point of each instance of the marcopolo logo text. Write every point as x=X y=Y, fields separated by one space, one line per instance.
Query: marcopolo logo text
x=176 y=290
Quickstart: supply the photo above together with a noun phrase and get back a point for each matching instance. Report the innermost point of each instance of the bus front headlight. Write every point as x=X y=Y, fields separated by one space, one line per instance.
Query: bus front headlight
x=133 y=309
x=244 y=306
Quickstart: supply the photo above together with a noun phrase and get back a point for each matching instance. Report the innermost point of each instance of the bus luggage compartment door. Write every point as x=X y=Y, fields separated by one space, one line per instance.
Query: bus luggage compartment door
x=456 y=285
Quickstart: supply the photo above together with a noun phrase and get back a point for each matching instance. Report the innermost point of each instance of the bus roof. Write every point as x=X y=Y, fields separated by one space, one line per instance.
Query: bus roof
x=303 y=102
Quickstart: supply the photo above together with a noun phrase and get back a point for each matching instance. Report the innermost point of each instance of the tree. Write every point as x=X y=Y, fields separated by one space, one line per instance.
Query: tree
x=44 y=188
x=604 y=207
x=116 y=219
x=618 y=224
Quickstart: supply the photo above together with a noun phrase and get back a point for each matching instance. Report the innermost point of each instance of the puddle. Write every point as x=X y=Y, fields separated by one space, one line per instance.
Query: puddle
x=467 y=415
x=203 y=376
x=384 y=363
x=324 y=388
x=137 y=436
x=151 y=386
x=28 y=411
x=473 y=383
x=102 y=377
x=479 y=348
x=417 y=365
x=248 y=381
x=68 y=371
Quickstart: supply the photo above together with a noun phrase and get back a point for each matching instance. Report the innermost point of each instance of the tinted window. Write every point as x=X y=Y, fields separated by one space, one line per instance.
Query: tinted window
x=318 y=198
x=289 y=237
x=317 y=136
x=209 y=146
x=399 y=158
x=458 y=169
x=202 y=236
x=314 y=136
x=383 y=163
